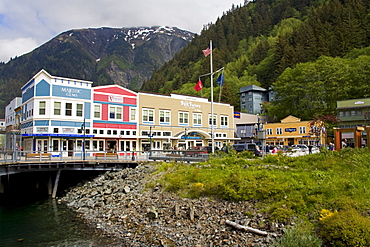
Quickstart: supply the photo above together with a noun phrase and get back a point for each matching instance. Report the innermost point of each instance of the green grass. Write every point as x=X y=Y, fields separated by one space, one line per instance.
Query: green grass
x=285 y=187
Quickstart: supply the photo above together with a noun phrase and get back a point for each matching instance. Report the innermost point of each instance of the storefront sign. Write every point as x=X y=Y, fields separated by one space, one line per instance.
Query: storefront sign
x=290 y=130
x=116 y=99
x=68 y=130
x=189 y=104
x=42 y=129
x=71 y=92
x=59 y=135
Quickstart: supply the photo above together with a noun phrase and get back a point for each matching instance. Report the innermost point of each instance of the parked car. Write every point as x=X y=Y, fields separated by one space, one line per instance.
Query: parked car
x=199 y=151
x=282 y=148
x=301 y=147
x=251 y=147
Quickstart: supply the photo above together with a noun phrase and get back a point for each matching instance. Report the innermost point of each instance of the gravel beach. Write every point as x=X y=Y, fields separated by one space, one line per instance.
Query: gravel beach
x=119 y=204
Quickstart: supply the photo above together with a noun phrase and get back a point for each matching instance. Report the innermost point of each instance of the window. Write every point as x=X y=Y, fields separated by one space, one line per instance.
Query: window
x=164 y=116
x=148 y=115
x=79 y=110
x=197 y=119
x=96 y=111
x=57 y=108
x=183 y=117
x=224 y=121
x=279 y=131
x=269 y=131
x=68 y=109
x=119 y=113
x=302 y=130
x=42 y=108
x=210 y=122
x=115 y=112
x=133 y=114
x=112 y=112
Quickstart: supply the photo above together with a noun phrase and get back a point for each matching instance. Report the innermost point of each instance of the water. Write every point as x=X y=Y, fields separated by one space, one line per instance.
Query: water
x=46 y=223
x=29 y=218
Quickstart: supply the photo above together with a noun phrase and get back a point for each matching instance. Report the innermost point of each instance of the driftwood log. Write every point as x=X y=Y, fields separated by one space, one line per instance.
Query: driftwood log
x=245 y=228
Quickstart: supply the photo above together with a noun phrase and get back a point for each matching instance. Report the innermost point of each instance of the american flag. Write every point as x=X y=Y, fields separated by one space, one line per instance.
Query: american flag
x=207 y=51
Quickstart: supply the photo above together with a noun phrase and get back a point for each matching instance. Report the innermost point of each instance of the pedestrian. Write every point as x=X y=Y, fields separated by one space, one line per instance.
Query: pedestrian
x=331 y=146
x=267 y=149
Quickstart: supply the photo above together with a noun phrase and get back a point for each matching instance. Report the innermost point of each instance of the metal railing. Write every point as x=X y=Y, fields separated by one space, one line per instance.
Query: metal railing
x=70 y=155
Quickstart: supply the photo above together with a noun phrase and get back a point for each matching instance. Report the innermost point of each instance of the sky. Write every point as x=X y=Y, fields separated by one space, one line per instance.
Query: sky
x=25 y=24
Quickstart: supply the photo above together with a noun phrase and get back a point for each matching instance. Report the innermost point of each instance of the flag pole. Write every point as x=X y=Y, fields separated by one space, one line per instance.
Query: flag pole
x=219 y=95
x=212 y=117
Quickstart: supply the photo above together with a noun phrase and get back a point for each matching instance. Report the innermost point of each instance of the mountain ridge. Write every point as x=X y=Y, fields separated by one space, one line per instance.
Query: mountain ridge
x=105 y=55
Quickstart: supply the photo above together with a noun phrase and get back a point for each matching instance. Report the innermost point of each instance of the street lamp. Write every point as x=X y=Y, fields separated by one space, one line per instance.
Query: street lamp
x=150 y=139
x=185 y=137
x=83 y=127
x=261 y=135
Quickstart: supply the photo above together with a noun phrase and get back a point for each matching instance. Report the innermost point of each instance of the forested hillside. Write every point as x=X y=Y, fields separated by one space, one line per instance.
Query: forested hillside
x=308 y=51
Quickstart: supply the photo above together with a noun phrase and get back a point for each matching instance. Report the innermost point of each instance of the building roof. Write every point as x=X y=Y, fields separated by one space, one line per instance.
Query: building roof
x=290 y=119
x=252 y=88
x=353 y=103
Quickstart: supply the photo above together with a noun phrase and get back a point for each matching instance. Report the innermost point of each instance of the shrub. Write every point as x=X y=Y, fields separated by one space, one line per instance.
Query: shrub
x=299 y=235
x=345 y=228
x=195 y=190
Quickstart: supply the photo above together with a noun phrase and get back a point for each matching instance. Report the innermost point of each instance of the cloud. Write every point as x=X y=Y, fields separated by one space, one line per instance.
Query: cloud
x=10 y=47
x=24 y=23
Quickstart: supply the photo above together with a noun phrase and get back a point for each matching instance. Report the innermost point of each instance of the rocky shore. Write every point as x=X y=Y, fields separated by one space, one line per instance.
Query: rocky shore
x=119 y=204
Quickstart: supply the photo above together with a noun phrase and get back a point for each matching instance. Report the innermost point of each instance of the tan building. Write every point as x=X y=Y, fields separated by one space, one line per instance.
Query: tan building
x=182 y=121
x=293 y=131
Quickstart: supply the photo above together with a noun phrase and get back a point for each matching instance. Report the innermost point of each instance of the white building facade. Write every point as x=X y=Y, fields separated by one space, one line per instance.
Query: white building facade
x=54 y=110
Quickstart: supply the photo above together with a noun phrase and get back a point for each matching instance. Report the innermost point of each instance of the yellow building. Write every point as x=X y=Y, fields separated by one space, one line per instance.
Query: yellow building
x=293 y=131
x=182 y=121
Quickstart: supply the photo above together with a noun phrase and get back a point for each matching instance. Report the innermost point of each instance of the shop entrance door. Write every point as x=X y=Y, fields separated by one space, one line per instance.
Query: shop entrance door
x=71 y=144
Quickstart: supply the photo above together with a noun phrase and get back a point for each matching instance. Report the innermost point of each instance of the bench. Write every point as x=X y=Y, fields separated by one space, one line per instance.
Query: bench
x=106 y=155
x=37 y=156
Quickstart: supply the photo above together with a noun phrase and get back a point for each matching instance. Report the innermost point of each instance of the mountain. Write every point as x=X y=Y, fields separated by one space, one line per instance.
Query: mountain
x=123 y=56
